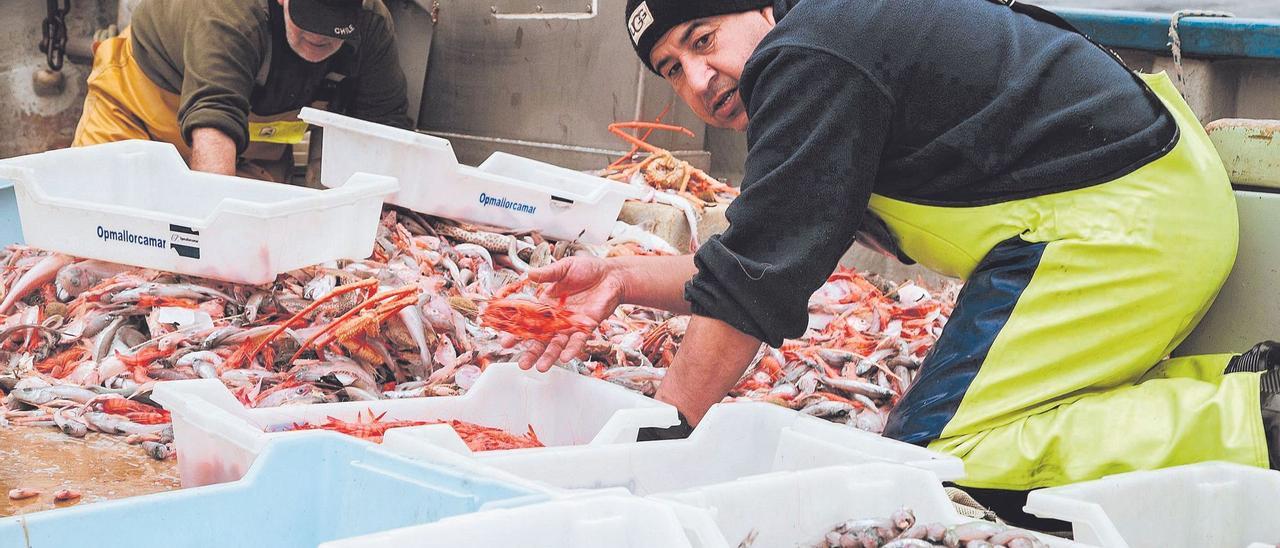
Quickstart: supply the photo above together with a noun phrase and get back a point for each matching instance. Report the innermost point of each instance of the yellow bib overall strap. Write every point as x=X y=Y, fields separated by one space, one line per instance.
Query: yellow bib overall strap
x=123 y=103
x=1049 y=370
x=283 y=132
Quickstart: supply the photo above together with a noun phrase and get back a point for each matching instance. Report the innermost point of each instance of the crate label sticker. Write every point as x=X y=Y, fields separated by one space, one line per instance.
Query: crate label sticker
x=498 y=201
x=185 y=240
x=182 y=240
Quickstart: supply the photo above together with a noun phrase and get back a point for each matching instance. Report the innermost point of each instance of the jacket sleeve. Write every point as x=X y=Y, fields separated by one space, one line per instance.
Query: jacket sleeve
x=381 y=97
x=817 y=127
x=221 y=58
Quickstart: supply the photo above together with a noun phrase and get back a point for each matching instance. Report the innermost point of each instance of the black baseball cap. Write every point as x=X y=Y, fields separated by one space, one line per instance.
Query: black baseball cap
x=334 y=18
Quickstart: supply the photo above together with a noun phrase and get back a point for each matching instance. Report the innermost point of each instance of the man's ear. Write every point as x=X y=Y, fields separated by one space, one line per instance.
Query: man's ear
x=767 y=12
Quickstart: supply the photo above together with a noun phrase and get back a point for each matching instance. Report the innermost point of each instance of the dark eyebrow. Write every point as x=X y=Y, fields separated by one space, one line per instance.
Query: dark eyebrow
x=683 y=42
x=662 y=65
x=688 y=32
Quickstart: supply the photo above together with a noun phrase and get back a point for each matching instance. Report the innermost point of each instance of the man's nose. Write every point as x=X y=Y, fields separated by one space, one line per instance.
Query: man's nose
x=699 y=75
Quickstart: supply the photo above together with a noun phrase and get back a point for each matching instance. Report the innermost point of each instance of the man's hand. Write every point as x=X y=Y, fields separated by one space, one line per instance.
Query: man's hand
x=212 y=151
x=592 y=287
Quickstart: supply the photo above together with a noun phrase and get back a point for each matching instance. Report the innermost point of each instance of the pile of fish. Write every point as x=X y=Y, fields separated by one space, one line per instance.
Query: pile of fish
x=477 y=438
x=866 y=341
x=82 y=342
x=902 y=531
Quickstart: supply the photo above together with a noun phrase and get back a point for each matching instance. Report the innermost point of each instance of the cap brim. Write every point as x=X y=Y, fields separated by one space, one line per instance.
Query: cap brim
x=318 y=18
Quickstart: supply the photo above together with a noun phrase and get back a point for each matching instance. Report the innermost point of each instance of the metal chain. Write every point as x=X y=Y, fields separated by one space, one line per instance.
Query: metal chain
x=53 y=41
x=1175 y=41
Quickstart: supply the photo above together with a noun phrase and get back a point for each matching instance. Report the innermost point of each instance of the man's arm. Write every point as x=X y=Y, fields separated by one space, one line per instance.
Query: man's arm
x=656 y=282
x=221 y=56
x=710 y=361
x=817 y=130
x=212 y=151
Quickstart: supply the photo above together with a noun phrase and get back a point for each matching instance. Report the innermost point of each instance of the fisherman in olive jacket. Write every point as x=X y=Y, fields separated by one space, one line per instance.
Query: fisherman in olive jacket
x=223 y=80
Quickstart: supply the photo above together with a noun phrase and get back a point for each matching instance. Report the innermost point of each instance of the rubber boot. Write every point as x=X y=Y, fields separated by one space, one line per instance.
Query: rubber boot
x=1264 y=356
x=1269 y=398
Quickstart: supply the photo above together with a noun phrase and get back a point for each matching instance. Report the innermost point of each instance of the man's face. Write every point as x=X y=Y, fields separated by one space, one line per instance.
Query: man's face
x=308 y=45
x=703 y=61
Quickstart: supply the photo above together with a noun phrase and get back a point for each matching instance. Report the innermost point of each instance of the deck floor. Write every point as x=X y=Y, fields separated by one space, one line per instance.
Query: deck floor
x=100 y=467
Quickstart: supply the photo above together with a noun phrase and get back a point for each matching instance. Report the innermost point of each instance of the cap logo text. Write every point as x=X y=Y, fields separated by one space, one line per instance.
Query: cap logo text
x=639 y=21
x=343 y=31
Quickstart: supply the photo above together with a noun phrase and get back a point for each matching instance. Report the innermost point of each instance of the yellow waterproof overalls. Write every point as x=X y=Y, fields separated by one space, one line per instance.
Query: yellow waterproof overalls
x=123 y=103
x=1050 y=370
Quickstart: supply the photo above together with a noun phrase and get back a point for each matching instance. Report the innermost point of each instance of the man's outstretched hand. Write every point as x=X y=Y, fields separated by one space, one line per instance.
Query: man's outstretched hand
x=593 y=288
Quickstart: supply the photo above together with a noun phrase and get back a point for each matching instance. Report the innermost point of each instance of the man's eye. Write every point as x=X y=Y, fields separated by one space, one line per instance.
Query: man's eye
x=673 y=71
x=702 y=42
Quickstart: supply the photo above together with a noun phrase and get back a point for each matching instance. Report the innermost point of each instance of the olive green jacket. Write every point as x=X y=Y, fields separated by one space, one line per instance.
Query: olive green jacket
x=228 y=58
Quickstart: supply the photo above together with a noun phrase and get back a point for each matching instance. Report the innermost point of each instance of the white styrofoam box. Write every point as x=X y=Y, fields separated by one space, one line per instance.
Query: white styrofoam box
x=217 y=438
x=307 y=489
x=1215 y=504
x=796 y=508
x=504 y=191
x=137 y=203
x=732 y=441
x=588 y=521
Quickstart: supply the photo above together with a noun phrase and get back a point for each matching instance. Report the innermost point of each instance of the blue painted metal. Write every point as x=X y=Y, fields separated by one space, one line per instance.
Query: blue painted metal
x=1201 y=36
x=10 y=227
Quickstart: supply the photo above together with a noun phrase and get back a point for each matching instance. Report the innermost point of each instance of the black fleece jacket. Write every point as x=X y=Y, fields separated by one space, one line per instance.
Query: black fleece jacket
x=940 y=102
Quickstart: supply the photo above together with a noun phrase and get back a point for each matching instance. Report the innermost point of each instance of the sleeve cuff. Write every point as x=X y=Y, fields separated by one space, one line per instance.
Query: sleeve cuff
x=708 y=302
x=229 y=124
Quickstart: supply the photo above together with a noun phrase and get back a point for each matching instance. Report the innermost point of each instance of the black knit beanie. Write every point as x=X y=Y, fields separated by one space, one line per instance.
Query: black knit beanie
x=648 y=20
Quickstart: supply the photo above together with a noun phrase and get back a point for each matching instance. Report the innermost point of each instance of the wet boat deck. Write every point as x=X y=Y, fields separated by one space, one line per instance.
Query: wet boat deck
x=100 y=467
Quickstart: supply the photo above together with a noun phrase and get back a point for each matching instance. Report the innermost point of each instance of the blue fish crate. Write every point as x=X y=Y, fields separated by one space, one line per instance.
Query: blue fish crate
x=305 y=490
x=10 y=223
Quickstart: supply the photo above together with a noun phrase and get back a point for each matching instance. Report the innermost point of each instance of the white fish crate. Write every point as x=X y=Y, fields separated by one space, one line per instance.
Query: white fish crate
x=590 y=521
x=505 y=191
x=796 y=508
x=217 y=438
x=734 y=440
x=305 y=490
x=1215 y=504
x=137 y=203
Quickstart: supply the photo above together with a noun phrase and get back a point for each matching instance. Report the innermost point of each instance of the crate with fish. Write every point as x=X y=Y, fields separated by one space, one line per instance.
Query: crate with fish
x=604 y=519
x=217 y=438
x=733 y=440
x=305 y=490
x=506 y=191
x=1204 y=504
x=872 y=505
x=137 y=203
